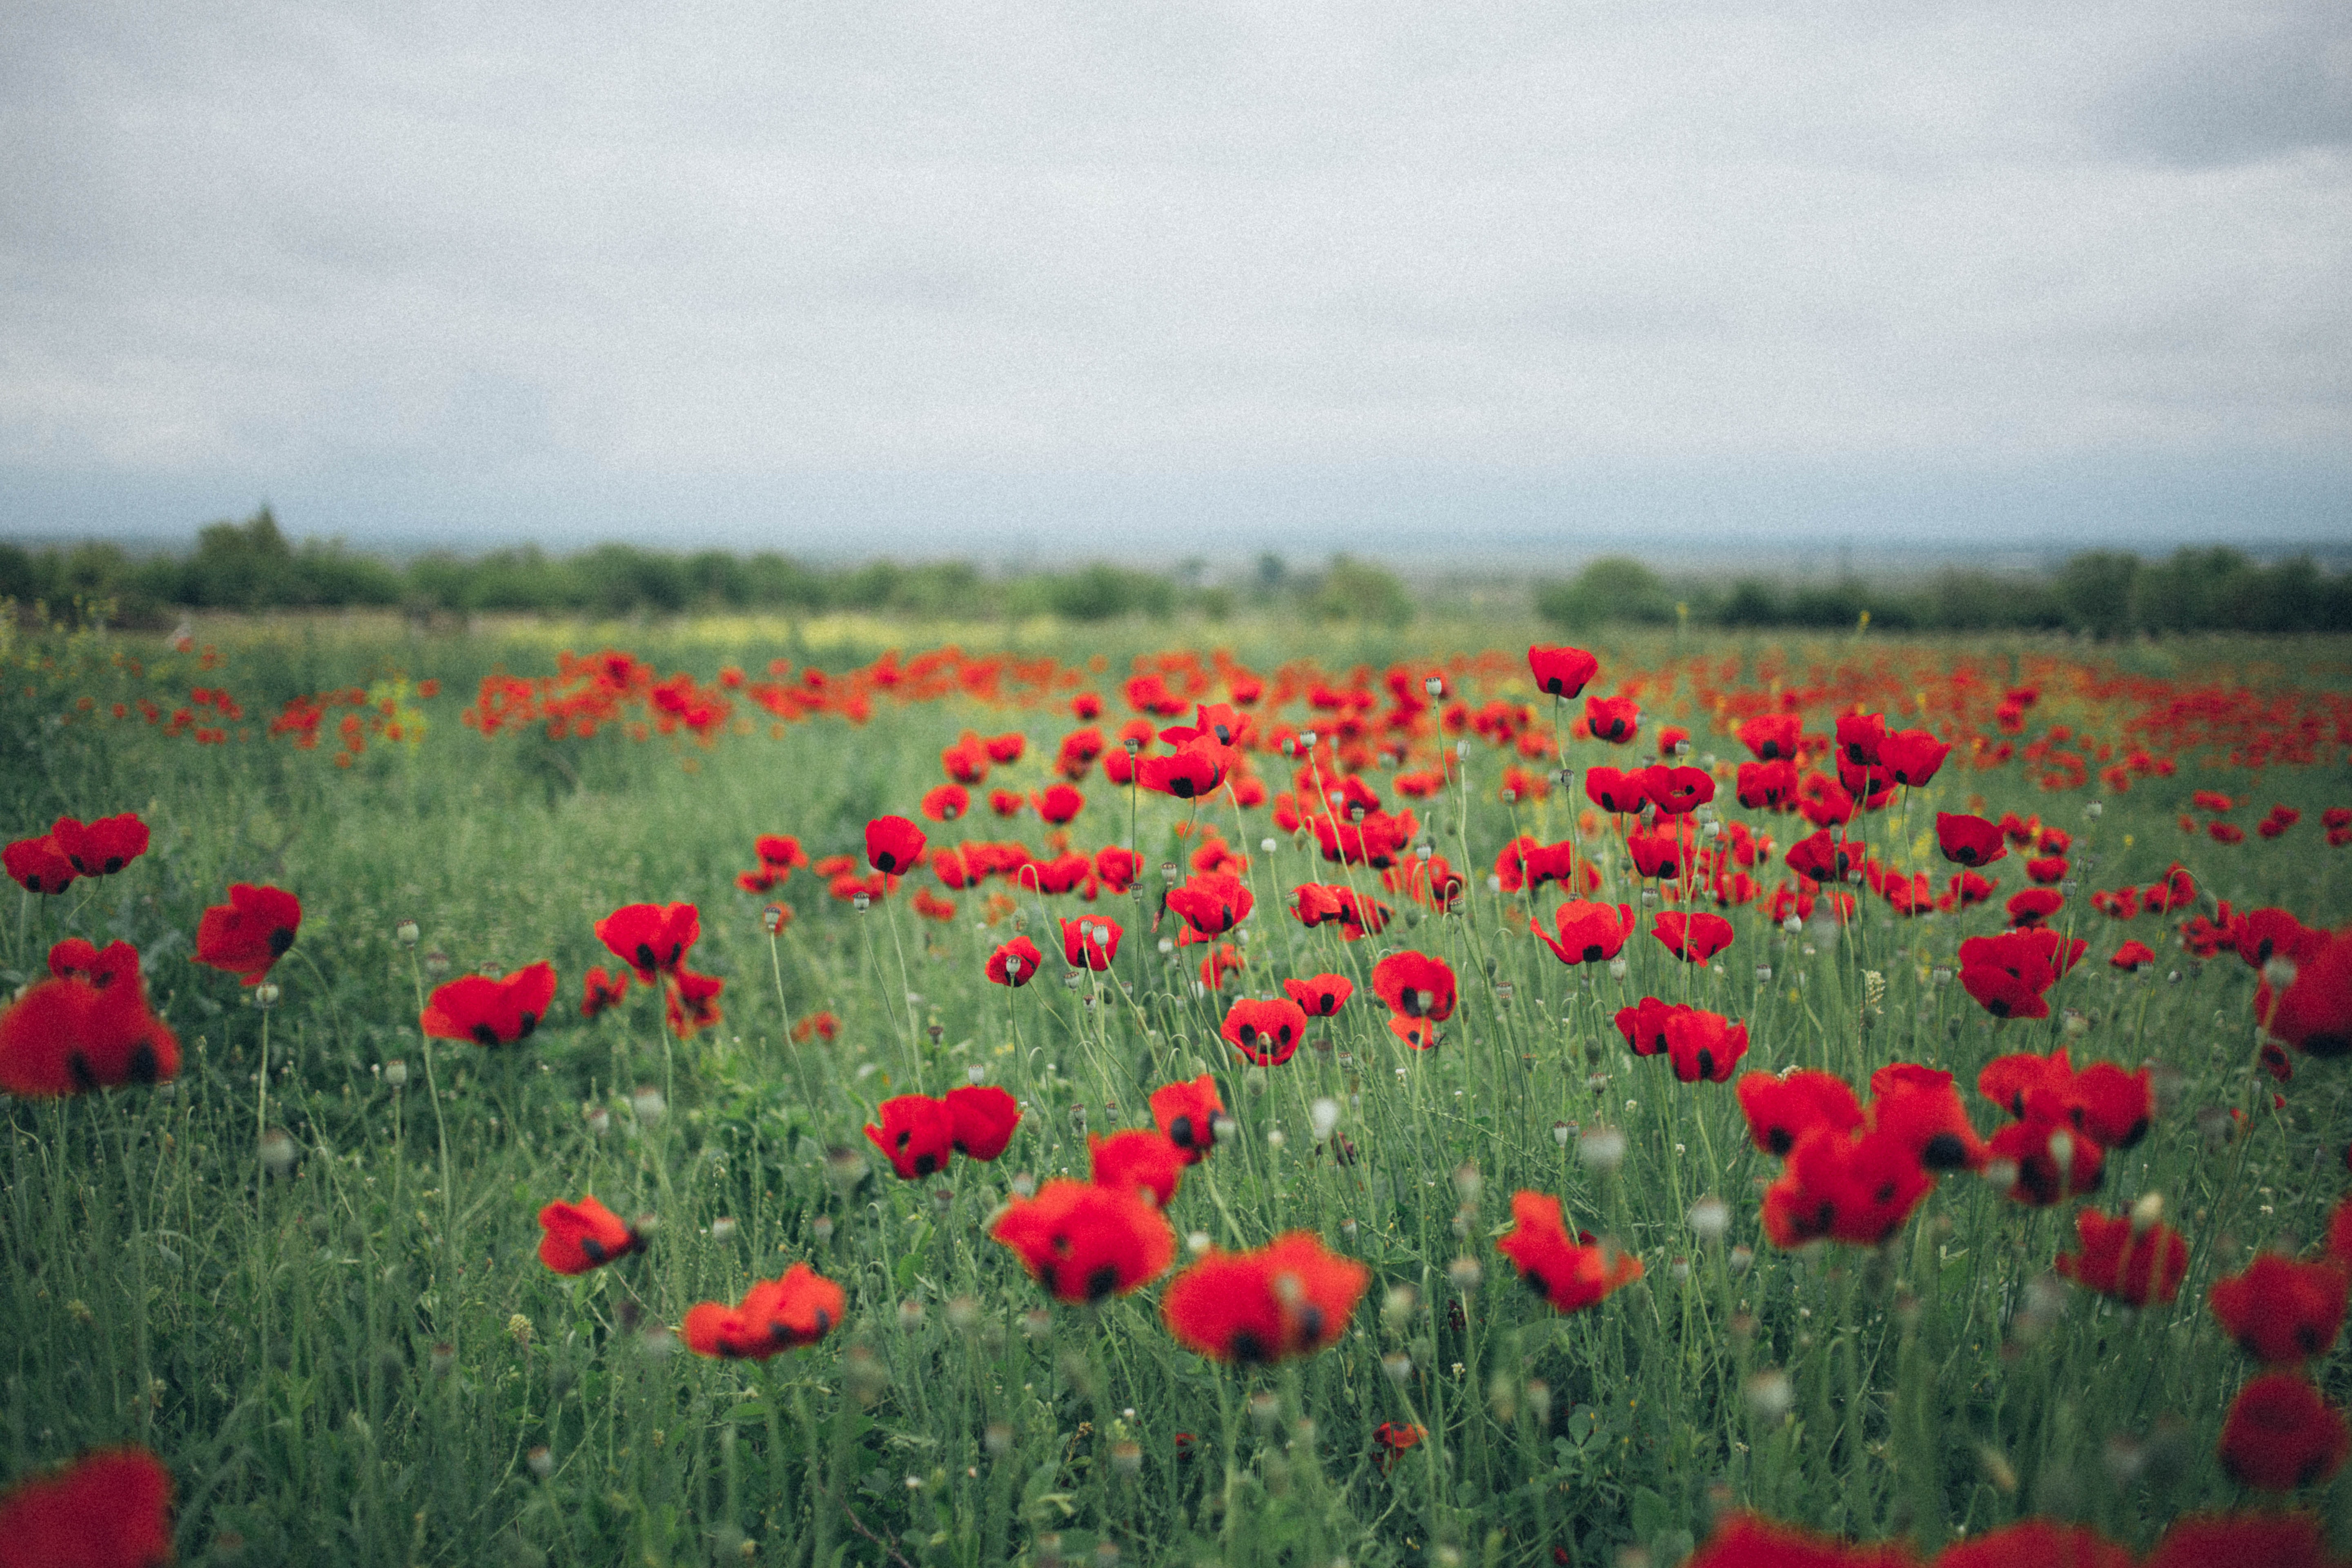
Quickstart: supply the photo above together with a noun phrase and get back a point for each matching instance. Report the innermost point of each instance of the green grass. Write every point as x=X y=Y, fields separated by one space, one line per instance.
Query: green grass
x=360 y=1360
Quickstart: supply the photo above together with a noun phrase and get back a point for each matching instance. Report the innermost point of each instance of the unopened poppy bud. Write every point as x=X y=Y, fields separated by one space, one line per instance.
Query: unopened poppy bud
x=2147 y=1213
x=406 y=933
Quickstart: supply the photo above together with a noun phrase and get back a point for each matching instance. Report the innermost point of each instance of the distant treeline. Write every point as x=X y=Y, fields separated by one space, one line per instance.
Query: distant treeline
x=252 y=566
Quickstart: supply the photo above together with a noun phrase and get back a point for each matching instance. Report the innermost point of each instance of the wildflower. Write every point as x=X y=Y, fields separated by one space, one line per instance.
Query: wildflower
x=490 y=1012
x=1693 y=938
x=603 y=992
x=1415 y=985
x=651 y=939
x=894 y=846
x=1320 y=995
x=1571 y=1273
x=2280 y=1434
x=109 y=1508
x=1136 y=1161
x=2281 y=1311
x=1562 y=671
x=799 y=1308
x=1090 y=943
x=250 y=932
x=103 y=848
x=1290 y=1298
x=917 y=1135
x=1267 y=1033
x=980 y=1120
x=1187 y=1114
x=1083 y=1242
x=584 y=1235
x=1015 y=963
x=1783 y=1107
x=87 y=1026
x=1212 y=904
x=2121 y=1258
x=1969 y=841
x=1589 y=932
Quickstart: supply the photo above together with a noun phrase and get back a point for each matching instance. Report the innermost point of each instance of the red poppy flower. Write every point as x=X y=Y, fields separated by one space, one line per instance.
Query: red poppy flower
x=1773 y=737
x=1822 y=858
x=2314 y=1013
x=1187 y=1114
x=1118 y=869
x=2267 y=1540
x=1623 y=792
x=2036 y=1543
x=1212 y=903
x=1136 y=1161
x=1703 y=1046
x=1854 y=1190
x=1188 y=773
x=103 y=848
x=1058 y=804
x=1015 y=963
x=1320 y=995
x=1859 y=738
x=2281 y=1311
x=1677 y=791
x=946 y=802
x=797 y=1309
x=980 y=1120
x=1693 y=938
x=917 y=1135
x=1267 y=1033
x=1781 y=1108
x=1225 y=959
x=1664 y=851
x=894 y=846
x=1091 y=942
x=111 y=1508
x=250 y=932
x=1589 y=932
x=38 y=865
x=1290 y=1298
x=1920 y=1106
x=1562 y=671
x=1571 y=1274
x=779 y=850
x=1084 y=1243
x=1969 y=840
x=1768 y=786
x=1393 y=1438
x=2128 y=1262
x=651 y=939
x=1415 y=985
x=86 y=1029
x=1913 y=757
x=1612 y=719
x=490 y=1012
x=2280 y=1434
x=2033 y=1146
x=584 y=1235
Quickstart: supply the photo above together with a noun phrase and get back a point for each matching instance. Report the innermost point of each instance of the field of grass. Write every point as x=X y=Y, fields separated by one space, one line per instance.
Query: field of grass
x=304 y=1273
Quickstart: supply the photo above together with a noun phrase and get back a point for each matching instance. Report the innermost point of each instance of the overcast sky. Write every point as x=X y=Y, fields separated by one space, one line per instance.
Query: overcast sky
x=1133 y=277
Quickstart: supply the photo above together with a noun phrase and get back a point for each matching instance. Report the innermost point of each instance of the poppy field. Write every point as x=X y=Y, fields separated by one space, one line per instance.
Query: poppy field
x=722 y=1098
